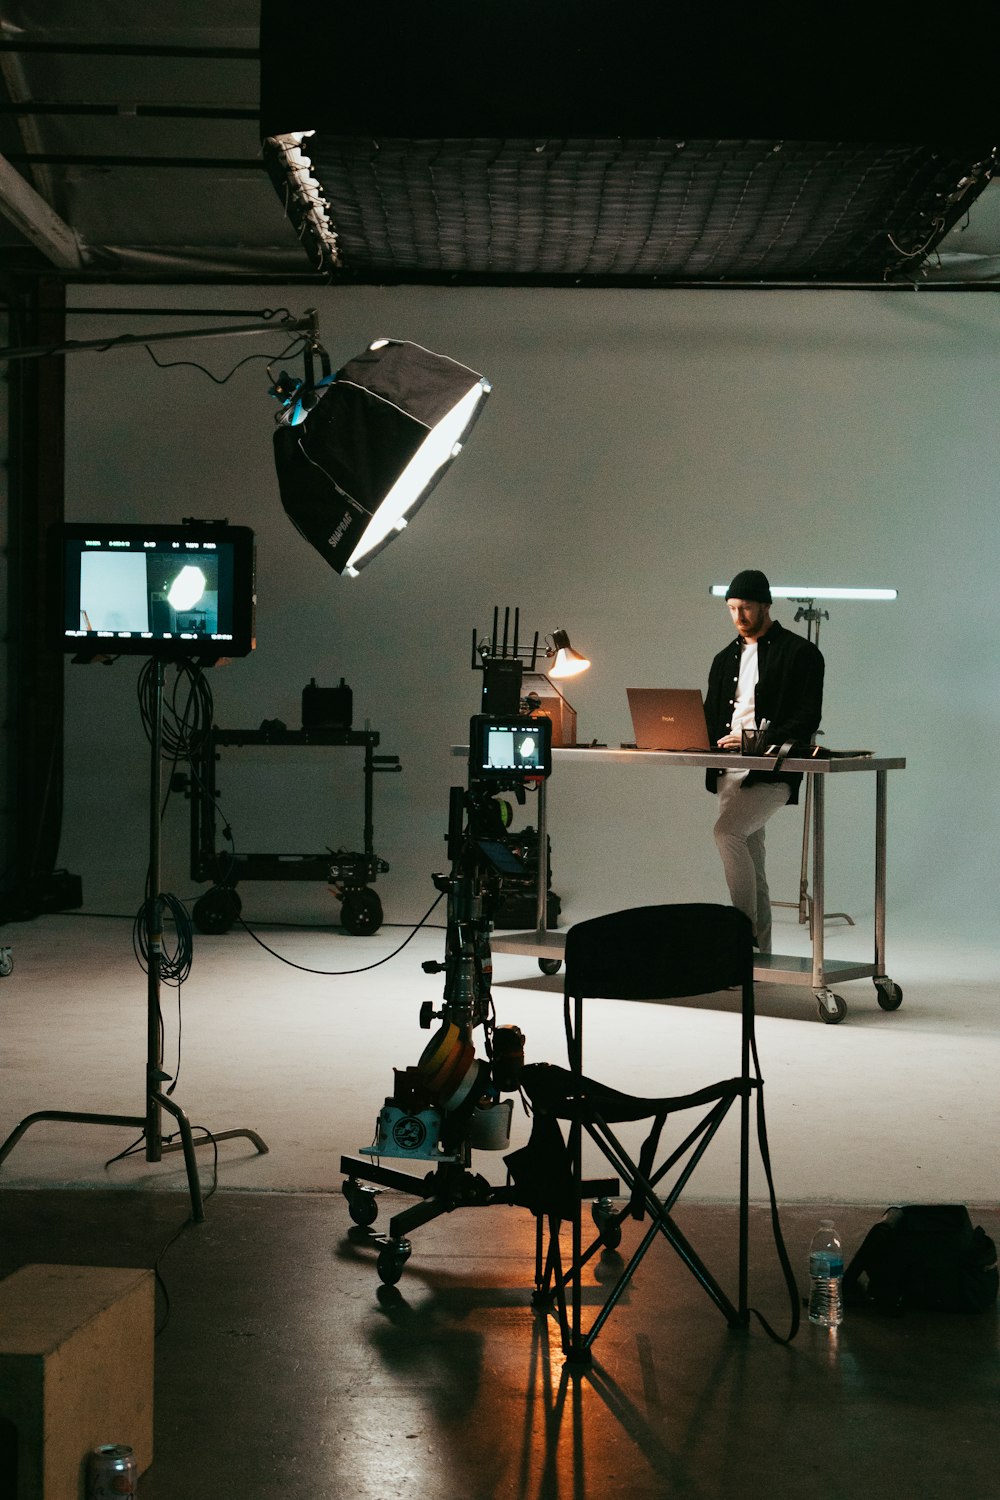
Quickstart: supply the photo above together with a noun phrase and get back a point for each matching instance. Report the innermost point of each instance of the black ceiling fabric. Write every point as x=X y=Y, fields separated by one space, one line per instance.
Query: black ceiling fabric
x=573 y=143
x=651 y=69
x=613 y=210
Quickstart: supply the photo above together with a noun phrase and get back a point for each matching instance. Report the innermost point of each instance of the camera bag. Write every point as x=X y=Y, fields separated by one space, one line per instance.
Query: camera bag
x=924 y=1256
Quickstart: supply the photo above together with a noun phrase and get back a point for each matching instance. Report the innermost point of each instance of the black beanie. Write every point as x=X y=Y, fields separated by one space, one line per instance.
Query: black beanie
x=750 y=584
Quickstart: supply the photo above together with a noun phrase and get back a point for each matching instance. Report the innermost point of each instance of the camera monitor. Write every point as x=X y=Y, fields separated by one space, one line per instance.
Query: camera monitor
x=509 y=748
x=168 y=591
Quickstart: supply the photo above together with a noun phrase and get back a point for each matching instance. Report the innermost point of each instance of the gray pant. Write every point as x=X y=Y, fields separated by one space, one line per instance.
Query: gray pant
x=739 y=833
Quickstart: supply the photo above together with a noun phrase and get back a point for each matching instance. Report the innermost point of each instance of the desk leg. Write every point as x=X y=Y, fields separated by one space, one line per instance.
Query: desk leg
x=819 y=893
x=881 y=825
x=541 y=908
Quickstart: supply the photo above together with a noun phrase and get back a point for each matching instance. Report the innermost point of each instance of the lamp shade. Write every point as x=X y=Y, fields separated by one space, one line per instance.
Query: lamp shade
x=368 y=453
x=567 y=663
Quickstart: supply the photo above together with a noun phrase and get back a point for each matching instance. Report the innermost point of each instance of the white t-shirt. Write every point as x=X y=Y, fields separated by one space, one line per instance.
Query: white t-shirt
x=745 y=706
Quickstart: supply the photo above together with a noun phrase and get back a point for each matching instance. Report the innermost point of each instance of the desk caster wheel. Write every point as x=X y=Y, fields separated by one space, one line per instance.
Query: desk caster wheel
x=889 y=995
x=832 y=1008
x=391 y=1259
x=550 y=965
x=362 y=1204
x=361 y=912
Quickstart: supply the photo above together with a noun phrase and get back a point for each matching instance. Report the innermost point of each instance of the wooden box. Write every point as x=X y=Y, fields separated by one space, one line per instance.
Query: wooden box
x=76 y=1371
x=553 y=705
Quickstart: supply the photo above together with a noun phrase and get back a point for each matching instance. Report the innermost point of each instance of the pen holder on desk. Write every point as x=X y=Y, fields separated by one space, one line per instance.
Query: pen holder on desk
x=753 y=741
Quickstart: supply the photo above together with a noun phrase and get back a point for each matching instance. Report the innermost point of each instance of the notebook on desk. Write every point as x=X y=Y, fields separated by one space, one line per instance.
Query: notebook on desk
x=668 y=719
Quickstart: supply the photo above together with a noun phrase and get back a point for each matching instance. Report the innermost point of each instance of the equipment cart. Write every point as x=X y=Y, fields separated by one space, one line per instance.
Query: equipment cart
x=350 y=875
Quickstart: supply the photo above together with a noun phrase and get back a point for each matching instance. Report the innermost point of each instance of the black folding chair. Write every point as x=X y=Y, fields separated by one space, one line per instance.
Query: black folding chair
x=646 y=953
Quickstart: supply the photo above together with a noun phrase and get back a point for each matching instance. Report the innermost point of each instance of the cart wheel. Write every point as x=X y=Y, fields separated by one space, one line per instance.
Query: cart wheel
x=832 y=1008
x=550 y=965
x=889 y=995
x=603 y=1214
x=391 y=1259
x=6 y=962
x=217 y=909
x=362 y=1204
x=361 y=912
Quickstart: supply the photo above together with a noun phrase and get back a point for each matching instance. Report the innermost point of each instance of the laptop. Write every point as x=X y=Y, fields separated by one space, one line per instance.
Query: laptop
x=668 y=719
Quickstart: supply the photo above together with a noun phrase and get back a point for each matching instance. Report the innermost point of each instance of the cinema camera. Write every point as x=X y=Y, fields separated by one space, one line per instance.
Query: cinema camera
x=449 y=1104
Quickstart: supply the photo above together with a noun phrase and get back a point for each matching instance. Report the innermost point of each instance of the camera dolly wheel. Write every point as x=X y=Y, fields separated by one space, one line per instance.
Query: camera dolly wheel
x=362 y=1204
x=889 y=995
x=361 y=912
x=391 y=1259
x=606 y=1222
x=832 y=1008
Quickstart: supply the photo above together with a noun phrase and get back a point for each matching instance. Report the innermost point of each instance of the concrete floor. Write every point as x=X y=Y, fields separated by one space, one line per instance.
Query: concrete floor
x=283 y=1366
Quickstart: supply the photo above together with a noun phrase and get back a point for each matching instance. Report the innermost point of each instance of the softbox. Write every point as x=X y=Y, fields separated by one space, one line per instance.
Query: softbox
x=372 y=448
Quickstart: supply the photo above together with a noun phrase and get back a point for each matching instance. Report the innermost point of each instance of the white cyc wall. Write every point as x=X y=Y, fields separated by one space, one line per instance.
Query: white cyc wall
x=637 y=447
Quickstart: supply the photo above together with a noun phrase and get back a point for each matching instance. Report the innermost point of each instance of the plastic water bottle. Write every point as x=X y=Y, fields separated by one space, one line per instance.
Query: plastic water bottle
x=826 y=1277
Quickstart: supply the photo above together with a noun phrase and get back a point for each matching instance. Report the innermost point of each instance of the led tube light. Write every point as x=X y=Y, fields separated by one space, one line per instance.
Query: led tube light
x=809 y=591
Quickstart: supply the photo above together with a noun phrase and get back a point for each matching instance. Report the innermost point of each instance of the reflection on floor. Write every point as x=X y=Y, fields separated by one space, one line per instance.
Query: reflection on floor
x=285 y=1368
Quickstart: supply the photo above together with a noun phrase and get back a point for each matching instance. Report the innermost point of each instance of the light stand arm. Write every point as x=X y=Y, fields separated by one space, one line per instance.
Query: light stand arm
x=306 y=324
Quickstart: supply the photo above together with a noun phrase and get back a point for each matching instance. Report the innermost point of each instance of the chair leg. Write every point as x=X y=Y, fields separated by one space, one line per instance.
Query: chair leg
x=744 y=1230
x=642 y=1189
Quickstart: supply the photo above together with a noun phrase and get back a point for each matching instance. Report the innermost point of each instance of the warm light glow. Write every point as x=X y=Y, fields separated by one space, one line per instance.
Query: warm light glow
x=187 y=588
x=435 y=451
x=811 y=591
x=568 y=663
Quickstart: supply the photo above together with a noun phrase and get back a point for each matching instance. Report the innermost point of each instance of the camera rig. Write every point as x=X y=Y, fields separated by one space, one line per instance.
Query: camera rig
x=449 y=1103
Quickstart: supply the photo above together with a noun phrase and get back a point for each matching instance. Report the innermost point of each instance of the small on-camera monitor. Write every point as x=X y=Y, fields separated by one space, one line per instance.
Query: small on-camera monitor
x=503 y=860
x=508 y=748
x=167 y=591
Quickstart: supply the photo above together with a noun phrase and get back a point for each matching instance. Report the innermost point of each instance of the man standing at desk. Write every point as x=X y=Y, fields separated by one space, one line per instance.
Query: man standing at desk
x=771 y=676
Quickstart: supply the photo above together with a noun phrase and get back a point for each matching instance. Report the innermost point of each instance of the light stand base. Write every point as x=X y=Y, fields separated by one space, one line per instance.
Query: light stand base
x=187 y=1143
x=156 y=1101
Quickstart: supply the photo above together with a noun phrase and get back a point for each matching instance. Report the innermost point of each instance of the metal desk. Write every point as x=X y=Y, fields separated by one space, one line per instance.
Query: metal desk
x=817 y=973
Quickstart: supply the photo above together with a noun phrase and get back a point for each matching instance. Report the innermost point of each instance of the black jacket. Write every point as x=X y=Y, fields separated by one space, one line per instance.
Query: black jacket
x=789 y=694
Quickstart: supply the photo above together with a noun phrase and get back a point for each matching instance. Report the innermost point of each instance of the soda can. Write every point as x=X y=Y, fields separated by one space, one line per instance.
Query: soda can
x=112 y=1473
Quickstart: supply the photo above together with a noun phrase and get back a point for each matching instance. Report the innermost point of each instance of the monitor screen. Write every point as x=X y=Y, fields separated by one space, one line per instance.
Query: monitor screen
x=175 y=591
x=518 y=747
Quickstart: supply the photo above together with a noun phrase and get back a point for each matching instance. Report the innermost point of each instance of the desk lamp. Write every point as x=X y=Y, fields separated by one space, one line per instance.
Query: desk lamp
x=568 y=663
x=503 y=660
